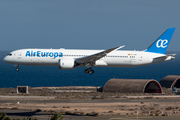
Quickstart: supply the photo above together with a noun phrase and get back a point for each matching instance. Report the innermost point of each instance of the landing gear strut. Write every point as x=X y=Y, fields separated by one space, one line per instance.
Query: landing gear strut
x=89 y=70
x=17 y=67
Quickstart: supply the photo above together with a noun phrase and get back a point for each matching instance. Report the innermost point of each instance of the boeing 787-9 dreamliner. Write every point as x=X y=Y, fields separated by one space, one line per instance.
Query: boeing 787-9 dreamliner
x=73 y=58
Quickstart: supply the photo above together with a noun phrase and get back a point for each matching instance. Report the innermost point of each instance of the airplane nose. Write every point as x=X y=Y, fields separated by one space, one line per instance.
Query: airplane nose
x=6 y=59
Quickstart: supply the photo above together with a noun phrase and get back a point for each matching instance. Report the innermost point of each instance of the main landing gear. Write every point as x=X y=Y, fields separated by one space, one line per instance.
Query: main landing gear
x=89 y=70
x=17 y=67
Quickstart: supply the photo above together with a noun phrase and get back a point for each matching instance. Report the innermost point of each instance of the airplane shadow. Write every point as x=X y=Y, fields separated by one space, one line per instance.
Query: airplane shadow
x=23 y=114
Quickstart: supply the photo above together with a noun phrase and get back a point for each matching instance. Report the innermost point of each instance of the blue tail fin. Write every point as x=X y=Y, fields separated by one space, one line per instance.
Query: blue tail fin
x=161 y=44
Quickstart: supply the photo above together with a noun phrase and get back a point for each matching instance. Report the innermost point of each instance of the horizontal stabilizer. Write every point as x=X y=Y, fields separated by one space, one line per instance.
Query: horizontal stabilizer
x=171 y=56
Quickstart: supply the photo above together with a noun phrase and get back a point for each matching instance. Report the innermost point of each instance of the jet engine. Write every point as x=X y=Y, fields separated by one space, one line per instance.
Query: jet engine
x=66 y=63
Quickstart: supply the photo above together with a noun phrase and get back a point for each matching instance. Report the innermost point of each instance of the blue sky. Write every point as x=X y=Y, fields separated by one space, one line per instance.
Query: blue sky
x=83 y=24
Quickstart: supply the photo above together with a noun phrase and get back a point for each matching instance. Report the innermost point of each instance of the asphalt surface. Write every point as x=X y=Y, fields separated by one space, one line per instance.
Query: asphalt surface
x=26 y=97
x=91 y=101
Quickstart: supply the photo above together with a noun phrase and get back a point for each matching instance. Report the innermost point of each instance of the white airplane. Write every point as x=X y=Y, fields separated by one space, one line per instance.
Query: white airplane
x=73 y=58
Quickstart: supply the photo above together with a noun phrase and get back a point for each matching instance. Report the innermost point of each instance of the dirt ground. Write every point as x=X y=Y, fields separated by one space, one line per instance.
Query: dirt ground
x=80 y=92
x=92 y=108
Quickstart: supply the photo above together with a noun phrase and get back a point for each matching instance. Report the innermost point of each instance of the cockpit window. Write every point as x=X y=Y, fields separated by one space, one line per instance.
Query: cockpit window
x=9 y=54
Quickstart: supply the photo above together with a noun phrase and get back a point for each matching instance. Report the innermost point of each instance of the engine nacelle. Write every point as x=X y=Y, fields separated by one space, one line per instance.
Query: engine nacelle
x=66 y=63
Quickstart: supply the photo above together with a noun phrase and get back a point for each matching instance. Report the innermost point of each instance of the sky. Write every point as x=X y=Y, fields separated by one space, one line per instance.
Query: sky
x=87 y=24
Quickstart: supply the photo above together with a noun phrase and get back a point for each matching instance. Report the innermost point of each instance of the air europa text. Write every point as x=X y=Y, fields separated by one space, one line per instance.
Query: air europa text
x=43 y=54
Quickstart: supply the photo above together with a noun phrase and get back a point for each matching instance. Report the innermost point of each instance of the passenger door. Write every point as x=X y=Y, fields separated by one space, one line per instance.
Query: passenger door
x=140 y=57
x=19 y=54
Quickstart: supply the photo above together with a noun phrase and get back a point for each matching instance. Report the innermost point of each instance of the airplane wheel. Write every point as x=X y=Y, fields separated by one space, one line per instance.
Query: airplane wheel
x=91 y=72
x=86 y=71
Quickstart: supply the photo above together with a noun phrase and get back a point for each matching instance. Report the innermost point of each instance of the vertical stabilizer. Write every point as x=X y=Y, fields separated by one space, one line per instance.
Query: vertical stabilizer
x=161 y=44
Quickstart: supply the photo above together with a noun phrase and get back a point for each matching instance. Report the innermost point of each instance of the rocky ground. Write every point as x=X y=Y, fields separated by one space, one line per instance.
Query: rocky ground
x=115 y=108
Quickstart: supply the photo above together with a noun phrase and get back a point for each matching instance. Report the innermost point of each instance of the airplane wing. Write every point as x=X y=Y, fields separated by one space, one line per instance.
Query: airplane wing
x=93 y=58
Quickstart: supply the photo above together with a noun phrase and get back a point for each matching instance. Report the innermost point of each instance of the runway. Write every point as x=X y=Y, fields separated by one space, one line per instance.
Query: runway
x=166 y=99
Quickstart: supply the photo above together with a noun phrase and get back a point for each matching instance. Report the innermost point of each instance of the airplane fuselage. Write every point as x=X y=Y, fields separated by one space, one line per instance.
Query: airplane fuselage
x=50 y=57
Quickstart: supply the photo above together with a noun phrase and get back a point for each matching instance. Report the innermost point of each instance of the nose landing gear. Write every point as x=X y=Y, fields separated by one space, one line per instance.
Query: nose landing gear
x=89 y=70
x=17 y=67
